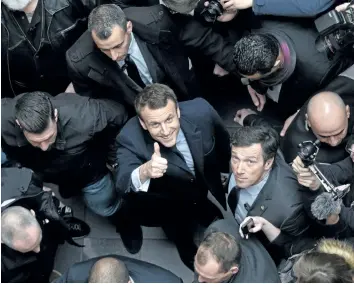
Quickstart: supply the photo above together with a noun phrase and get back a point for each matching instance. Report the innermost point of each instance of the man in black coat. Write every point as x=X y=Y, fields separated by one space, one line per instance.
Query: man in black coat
x=281 y=61
x=170 y=156
x=116 y=267
x=148 y=37
x=262 y=184
x=68 y=140
x=224 y=257
x=35 y=36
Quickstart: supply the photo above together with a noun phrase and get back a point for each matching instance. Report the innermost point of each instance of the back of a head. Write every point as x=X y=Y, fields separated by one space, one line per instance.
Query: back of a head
x=266 y=136
x=181 y=6
x=320 y=267
x=222 y=247
x=34 y=111
x=154 y=96
x=14 y=222
x=109 y=270
x=255 y=53
x=104 y=18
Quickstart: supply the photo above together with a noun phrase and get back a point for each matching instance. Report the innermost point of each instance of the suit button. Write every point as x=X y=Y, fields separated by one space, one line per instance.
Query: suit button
x=42 y=76
x=192 y=179
x=37 y=56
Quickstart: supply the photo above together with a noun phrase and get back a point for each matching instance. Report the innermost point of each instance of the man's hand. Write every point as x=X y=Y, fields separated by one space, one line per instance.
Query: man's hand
x=258 y=99
x=70 y=88
x=342 y=7
x=232 y=5
x=287 y=123
x=259 y=222
x=242 y=114
x=227 y=16
x=218 y=71
x=155 y=168
x=304 y=176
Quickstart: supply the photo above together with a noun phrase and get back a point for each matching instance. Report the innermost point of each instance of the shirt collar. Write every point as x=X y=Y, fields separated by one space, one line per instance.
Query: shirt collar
x=131 y=279
x=180 y=136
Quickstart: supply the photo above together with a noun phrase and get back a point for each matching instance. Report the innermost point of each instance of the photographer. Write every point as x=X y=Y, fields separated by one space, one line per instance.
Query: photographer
x=329 y=112
x=331 y=217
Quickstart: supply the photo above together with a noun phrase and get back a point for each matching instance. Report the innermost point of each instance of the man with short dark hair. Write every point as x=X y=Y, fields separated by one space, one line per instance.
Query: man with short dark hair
x=68 y=140
x=275 y=62
x=117 y=269
x=262 y=183
x=223 y=256
x=170 y=156
x=122 y=52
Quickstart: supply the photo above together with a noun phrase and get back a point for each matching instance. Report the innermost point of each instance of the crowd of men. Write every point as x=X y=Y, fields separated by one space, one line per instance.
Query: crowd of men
x=109 y=100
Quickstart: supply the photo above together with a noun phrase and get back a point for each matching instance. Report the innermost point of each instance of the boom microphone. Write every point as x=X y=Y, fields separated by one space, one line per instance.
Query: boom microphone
x=325 y=205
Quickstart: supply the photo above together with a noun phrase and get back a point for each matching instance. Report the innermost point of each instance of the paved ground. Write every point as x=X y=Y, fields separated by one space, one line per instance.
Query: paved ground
x=156 y=248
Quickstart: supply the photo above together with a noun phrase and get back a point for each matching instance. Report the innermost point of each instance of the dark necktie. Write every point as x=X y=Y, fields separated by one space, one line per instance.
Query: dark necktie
x=132 y=70
x=233 y=197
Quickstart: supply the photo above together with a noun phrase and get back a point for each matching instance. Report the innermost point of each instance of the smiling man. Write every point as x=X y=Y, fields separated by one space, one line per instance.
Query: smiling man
x=170 y=155
x=262 y=184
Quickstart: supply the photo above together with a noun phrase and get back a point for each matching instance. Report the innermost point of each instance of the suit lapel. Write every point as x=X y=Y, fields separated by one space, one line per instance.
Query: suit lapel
x=195 y=143
x=260 y=205
x=150 y=62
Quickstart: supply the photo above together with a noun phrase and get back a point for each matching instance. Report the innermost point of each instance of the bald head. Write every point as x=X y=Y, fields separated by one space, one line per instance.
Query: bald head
x=109 y=270
x=20 y=230
x=328 y=116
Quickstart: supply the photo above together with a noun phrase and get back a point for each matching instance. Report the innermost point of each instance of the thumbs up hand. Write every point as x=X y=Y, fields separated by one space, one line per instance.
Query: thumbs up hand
x=156 y=167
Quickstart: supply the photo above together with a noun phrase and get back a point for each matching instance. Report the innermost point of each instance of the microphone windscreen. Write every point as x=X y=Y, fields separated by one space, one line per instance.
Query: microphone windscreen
x=325 y=205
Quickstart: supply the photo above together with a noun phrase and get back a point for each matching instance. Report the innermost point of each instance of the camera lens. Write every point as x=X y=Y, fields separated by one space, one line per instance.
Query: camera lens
x=213 y=11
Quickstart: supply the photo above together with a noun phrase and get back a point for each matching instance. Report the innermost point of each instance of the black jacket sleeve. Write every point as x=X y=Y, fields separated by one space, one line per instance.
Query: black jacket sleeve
x=211 y=44
x=339 y=173
x=222 y=141
x=111 y=118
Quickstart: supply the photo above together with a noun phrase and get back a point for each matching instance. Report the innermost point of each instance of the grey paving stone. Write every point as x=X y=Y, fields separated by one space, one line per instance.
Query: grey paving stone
x=67 y=255
x=153 y=233
x=164 y=254
x=100 y=226
x=102 y=246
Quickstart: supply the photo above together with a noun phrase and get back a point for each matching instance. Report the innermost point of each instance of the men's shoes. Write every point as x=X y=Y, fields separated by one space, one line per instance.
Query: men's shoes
x=132 y=237
x=77 y=228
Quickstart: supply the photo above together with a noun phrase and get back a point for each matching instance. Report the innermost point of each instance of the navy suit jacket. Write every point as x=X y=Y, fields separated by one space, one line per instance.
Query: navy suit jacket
x=209 y=143
x=139 y=271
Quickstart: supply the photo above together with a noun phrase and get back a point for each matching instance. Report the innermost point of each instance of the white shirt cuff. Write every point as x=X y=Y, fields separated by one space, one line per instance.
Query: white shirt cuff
x=137 y=183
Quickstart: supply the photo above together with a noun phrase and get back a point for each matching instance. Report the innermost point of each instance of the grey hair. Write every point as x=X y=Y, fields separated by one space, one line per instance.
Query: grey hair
x=104 y=18
x=14 y=222
x=181 y=6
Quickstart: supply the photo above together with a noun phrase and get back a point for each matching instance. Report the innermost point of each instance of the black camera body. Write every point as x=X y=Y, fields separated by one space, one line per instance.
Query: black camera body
x=336 y=31
x=213 y=11
x=308 y=152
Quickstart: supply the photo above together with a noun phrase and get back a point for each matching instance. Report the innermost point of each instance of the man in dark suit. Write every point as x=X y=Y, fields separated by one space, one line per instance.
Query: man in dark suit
x=262 y=184
x=146 y=43
x=170 y=156
x=223 y=256
x=117 y=269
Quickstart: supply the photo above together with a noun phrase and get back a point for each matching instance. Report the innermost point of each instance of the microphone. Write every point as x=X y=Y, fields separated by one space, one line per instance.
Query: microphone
x=325 y=205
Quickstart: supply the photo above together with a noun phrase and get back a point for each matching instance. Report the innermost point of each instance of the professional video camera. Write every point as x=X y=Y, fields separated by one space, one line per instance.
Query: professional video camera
x=213 y=11
x=308 y=152
x=336 y=31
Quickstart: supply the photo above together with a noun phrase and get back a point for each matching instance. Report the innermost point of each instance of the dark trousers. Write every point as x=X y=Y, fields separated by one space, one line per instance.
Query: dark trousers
x=179 y=219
